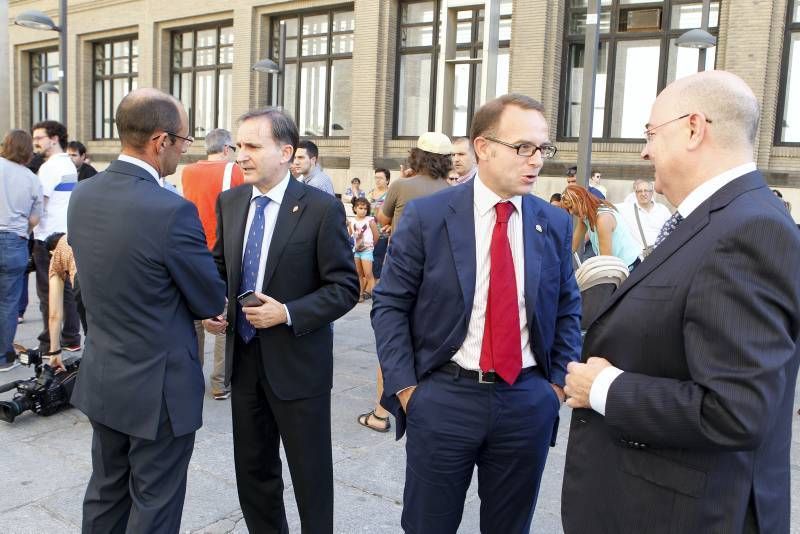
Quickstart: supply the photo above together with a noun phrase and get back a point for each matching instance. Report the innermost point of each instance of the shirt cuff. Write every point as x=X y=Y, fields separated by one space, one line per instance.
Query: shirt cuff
x=599 y=390
x=288 y=317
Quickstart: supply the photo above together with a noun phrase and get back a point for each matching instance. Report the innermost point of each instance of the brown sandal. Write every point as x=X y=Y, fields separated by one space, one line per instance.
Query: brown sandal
x=363 y=420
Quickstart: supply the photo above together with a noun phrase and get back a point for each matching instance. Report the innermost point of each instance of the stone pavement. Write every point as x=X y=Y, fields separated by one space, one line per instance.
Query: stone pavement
x=46 y=460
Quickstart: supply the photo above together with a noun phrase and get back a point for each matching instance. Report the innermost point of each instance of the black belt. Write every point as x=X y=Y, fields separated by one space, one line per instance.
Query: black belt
x=489 y=377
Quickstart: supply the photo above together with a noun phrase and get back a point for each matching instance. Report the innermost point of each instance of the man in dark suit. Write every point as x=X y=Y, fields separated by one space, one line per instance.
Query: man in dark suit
x=146 y=274
x=476 y=317
x=287 y=242
x=684 y=405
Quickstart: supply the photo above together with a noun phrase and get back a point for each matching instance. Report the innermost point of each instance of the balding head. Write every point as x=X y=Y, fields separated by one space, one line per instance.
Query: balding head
x=725 y=99
x=145 y=112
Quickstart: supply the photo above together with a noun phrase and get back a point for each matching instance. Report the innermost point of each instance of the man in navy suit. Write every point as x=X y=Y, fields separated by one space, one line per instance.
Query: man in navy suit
x=146 y=275
x=476 y=317
x=684 y=405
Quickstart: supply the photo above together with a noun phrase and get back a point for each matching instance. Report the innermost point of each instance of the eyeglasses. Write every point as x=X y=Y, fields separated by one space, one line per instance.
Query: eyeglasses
x=648 y=133
x=528 y=149
x=640 y=191
x=232 y=147
x=189 y=139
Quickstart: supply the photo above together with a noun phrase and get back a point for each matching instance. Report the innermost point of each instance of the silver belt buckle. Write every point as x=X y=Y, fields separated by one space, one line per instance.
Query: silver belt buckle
x=481 y=374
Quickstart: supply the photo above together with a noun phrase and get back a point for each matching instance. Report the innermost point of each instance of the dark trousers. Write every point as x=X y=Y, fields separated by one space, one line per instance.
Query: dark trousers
x=70 y=332
x=260 y=422
x=137 y=485
x=455 y=423
x=378 y=255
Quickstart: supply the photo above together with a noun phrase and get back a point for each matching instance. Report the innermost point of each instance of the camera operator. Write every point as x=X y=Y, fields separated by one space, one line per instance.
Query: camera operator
x=62 y=267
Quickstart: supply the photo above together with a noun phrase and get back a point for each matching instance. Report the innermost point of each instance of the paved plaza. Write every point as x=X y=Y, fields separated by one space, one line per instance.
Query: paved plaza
x=46 y=460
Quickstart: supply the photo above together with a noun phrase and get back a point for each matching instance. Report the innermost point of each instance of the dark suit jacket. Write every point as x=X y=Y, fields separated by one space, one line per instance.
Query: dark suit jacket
x=309 y=268
x=424 y=300
x=146 y=274
x=698 y=427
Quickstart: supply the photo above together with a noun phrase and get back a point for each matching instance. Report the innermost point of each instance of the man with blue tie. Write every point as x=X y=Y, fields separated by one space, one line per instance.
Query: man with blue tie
x=287 y=243
x=476 y=318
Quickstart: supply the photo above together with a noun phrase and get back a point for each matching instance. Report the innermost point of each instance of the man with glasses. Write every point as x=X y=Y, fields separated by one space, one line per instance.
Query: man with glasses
x=684 y=402
x=476 y=318
x=202 y=183
x=146 y=274
x=644 y=216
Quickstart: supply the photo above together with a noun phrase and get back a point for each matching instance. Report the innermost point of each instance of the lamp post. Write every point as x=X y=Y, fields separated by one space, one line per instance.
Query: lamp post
x=590 y=51
x=699 y=38
x=269 y=66
x=39 y=21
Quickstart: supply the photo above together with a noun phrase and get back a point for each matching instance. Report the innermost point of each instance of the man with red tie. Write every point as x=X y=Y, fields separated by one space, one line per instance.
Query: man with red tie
x=479 y=315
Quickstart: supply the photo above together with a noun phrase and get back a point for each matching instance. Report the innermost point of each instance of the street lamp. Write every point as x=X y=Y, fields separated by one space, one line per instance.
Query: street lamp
x=699 y=38
x=40 y=21
x=270 y=67
x=48 y=87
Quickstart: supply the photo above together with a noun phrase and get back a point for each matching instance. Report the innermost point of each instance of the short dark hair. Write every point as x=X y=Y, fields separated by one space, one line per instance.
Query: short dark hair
x=77 y=145
x=356 y=179
x=17 y=147
x=572 y=171
x=284 y=130
x=385 y=172
x=595 y=171
x=139 y=115
x=437 y=166
x=311 y=148
x=486 y=118
x=555 y=197
x=53 y=128
x=360 y=200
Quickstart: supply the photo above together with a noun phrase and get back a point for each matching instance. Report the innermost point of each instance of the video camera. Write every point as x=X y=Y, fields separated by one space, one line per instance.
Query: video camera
x=45 y=393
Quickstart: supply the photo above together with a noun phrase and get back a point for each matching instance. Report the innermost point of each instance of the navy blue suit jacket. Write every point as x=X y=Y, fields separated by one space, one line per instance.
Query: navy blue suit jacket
x=424 y=300
x=697 y=429
x=146 y=274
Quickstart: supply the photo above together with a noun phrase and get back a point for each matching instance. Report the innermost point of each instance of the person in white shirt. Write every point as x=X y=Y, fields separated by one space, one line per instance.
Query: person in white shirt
x=645 y=216
x=58 y=176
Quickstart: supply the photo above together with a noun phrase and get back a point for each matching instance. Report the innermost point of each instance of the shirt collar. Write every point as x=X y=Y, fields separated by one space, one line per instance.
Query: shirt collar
x=704 y=191
x=144 y=165
x=485 y=198
x=276 y=193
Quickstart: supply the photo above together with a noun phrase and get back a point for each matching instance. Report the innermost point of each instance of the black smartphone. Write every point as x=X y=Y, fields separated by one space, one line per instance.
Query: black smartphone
x=248 y=298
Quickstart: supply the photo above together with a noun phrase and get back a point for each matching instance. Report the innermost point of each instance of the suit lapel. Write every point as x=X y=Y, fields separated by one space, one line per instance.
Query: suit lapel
x=460 y=222
x=237 y=221
x=290 y=211
x=534 y=228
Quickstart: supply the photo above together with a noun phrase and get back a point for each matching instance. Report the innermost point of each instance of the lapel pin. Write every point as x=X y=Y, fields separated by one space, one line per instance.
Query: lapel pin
x=294 y=209
x=539 y=228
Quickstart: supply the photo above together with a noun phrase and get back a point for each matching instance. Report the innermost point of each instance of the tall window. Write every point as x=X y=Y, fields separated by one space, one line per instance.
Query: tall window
x=116 y=66
x=418 y=50
x=788 y=130
x=44 y=68
x=201 y=76
x=637 y=58
x=319 y=65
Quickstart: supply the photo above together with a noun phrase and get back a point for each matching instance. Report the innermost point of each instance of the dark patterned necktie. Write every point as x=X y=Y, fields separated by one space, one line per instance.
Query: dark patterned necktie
x=501 y=350
x=250 y=263
x=668 y=228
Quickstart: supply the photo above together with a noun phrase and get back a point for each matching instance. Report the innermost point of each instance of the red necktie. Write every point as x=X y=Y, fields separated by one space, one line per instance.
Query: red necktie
x=501 y=350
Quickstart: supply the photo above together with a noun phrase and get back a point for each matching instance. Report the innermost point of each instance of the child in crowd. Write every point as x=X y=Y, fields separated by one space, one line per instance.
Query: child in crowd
x=364 y=232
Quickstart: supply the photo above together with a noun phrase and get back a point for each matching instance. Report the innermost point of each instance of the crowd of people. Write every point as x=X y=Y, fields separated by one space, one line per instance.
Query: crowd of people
x=474 y=304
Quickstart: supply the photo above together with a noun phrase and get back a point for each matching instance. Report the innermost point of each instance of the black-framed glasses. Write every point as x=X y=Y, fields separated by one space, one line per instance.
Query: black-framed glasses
x=528 y=149
x=648 y=133
x=189 y=139
x=232 y=147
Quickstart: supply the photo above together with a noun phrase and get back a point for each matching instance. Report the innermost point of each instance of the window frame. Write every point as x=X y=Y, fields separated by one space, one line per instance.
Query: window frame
x=783 y=95
x=33 y=89
x=329 y=58
x=473 y=47
x=130 y=75
x=194 y=69
x=612 y=40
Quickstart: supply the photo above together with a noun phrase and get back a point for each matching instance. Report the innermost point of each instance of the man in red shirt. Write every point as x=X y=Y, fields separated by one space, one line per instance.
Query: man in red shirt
x=202 y=183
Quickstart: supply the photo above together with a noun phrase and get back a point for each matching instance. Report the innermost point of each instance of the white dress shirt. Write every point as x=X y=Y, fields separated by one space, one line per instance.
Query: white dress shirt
x=652 y=220
x=599 y=390
x=271 y=210
x=144 y=165
x=469 y=355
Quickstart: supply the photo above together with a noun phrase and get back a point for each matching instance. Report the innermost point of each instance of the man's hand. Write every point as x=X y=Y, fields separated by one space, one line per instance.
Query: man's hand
x=386 y=229
x=405 y=395
x=580 y=377
x=215 y=325
x=56 y=363
x=270 y=313
x=559 y=392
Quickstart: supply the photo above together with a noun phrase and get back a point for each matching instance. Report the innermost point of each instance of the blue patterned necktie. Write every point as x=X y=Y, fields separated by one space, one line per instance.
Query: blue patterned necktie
x=250 y=263
x=668 y=228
